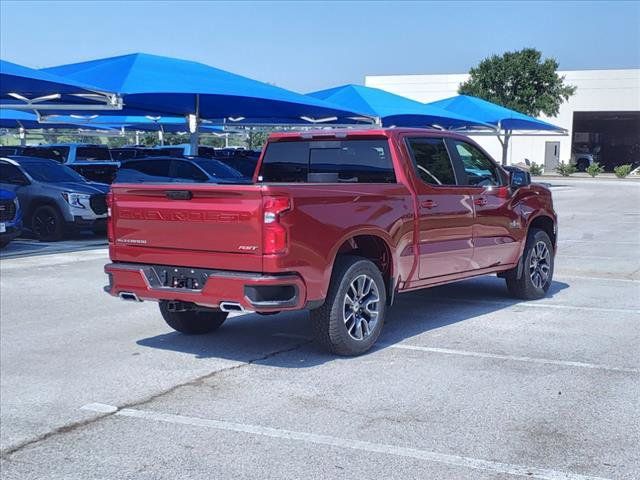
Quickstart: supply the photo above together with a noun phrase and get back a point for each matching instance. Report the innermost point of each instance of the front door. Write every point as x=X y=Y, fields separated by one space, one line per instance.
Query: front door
x=445 y=211
x=498 y=229
x=551 y=156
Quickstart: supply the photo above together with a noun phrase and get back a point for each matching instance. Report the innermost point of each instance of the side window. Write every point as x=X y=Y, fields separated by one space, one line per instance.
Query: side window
x=480 y=171
x=186 y=171
x=286 y=162
x=10 y=174
x=357 y=161
x=432 y=161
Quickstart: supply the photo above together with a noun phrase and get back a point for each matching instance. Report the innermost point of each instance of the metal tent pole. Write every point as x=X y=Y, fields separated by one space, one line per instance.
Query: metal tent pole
x=194 y=123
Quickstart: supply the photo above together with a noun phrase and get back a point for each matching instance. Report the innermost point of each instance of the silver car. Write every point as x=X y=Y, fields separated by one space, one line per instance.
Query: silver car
x=55 y=199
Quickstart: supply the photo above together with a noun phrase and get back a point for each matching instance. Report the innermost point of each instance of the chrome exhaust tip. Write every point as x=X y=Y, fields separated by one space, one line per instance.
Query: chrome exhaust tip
x=231 y=307
x=129 y=296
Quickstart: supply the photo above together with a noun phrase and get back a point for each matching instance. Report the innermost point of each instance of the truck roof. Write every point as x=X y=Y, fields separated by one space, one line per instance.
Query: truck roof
x=361 y=133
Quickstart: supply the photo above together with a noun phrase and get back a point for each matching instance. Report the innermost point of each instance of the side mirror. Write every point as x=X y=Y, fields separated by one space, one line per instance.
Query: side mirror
x=519 y=178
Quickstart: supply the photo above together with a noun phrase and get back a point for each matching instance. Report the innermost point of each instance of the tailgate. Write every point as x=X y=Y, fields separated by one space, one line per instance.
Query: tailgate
x=195 y=218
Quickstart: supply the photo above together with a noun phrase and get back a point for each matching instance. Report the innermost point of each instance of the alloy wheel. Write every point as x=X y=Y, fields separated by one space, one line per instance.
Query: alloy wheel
x=361 y=307
x=44 y=223
x=540 y=265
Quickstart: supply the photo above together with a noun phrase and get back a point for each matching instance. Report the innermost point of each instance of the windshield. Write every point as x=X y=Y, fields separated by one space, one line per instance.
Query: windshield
x=51 y=173
x=218 y=169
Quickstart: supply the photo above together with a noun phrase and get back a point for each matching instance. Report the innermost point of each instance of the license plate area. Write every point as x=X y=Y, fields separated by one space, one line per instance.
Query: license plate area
x=177 y=278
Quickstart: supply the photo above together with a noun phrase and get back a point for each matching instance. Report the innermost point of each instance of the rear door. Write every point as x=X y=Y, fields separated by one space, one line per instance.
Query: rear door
x=497 y=226
x=445 y=210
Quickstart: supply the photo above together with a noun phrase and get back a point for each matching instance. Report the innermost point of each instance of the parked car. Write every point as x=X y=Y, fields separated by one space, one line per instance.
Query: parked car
x=169 y=169
x=55 y=199
x=338 y=222
x=127 y=153
x=244 y=161
x=10 y=217
x=94 y=162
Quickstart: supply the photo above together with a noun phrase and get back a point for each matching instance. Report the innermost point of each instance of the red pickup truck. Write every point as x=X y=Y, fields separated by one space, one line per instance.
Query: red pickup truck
x=336 y=222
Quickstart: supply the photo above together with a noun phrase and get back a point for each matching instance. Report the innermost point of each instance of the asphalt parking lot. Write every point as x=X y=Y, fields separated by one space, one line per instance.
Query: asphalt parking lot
x=466 y=383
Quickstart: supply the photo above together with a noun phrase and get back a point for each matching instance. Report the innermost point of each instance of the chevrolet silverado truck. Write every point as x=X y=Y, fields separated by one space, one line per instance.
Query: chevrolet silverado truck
x=336 y=222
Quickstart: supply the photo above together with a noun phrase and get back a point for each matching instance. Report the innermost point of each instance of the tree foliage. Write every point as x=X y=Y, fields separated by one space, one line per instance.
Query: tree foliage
x=521 y=81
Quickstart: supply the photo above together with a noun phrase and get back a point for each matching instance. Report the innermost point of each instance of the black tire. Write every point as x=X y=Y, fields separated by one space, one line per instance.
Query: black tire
x=531 y=286
x=47 y=224
x=330 y=328
x=4 y=243
x=193 y=322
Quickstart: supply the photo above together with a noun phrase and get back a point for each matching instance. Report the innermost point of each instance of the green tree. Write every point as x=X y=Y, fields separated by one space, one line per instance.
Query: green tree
x=521 y=81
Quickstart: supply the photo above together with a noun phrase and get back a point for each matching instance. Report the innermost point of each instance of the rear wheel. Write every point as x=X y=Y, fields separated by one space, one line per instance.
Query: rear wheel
x=192 y=322
x=353 y=314
x=46 y=223
x=537 y=269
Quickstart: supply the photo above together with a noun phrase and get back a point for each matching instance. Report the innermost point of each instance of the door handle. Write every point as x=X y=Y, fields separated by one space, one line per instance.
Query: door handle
x=429 y=204
x=179 y=194
x=480 y=201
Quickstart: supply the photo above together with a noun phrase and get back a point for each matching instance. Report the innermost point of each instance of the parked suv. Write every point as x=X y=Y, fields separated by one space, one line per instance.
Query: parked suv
x=55 y=199
x=94 y=162
x=168 y=169
x=10 y=217
x=337 y=222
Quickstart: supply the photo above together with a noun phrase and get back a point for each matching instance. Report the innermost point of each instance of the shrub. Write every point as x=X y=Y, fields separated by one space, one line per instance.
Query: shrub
x=622 y=171
x=535 y=169
x=565 y=169
x=594 y=169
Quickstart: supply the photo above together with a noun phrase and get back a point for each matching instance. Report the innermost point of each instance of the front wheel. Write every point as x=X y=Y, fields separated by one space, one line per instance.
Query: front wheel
x=46 y=223
x=537 y=269
x=192 y=322
x=353 y=314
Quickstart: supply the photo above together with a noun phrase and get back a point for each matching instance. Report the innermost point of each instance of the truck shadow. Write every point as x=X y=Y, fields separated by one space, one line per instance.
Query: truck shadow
x=284 y=340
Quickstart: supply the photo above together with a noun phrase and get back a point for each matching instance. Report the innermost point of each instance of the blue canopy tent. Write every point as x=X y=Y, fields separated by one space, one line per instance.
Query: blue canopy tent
x=155 y=85
x=503 y=120
x=131 y=123
x=394 y=110
x=23 y=121
x=27 y=89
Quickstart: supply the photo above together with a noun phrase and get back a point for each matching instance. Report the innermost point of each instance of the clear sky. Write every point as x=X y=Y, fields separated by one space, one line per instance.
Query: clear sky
x=308 y=46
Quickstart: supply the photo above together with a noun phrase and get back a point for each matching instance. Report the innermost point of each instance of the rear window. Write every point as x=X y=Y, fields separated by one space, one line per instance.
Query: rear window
x=92 y=154
x=59 y=154
x=332 y=161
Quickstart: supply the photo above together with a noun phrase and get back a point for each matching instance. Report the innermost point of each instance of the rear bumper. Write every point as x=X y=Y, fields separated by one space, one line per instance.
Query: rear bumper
x=253 y=291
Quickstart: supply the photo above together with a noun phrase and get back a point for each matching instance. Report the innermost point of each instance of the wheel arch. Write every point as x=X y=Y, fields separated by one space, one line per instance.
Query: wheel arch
x=374 y=245
x=547 y=224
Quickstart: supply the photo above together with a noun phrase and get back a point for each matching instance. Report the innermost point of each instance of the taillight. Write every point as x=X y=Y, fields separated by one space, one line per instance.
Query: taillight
x=109 y=201
x=274 y=234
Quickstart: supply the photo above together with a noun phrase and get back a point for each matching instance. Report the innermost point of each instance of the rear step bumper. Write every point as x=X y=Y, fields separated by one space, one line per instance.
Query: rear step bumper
x=249 y=291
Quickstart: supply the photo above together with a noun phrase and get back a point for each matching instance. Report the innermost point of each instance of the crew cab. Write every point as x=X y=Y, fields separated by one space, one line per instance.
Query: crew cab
x=337 y=222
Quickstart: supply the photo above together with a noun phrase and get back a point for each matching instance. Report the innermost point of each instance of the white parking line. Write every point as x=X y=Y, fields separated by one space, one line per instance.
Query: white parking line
x=598 y=279
x=467 y=353
x=544 y=361
x=604 y=242
x=344 y=443
x=536 y=305
x=585 y=257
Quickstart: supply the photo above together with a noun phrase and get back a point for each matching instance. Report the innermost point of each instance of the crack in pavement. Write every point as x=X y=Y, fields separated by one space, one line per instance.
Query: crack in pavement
x=7 y=452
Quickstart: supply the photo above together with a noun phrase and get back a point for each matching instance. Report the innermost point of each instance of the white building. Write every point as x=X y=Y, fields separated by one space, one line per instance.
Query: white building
x=604 y=112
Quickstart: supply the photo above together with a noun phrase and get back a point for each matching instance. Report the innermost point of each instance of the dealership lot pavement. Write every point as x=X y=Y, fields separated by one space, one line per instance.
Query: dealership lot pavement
x=466 y=382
